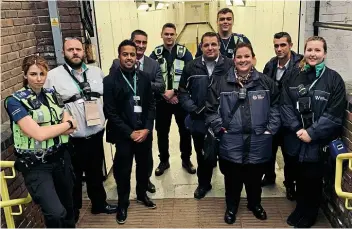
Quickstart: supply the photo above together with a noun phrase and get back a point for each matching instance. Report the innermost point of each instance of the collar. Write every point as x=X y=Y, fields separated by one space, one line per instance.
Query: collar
x=285 y=66
x=170 y=50
x=141 y=61
x=318 y=68
x=84 y=68
x=216 y=60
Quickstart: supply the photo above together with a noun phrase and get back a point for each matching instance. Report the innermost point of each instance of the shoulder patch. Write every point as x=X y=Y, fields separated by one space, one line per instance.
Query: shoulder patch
x=159 y=50
x=49 y=90
x=22 y=94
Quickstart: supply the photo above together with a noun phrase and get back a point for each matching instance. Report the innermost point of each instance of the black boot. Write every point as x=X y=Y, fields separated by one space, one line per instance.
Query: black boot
x=187 y=164
x=201 y=191
x=258 y=212
x=121 y=215
x=161 y=168
x=151 y=187
x=146 y=201
x=230 y=216
x=294 y=217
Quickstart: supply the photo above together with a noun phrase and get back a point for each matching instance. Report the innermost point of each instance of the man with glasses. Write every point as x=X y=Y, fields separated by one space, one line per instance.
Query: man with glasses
x=150 y=66
x=285 y=60
x=172 y=58
x=228 y=39
x=81 y=87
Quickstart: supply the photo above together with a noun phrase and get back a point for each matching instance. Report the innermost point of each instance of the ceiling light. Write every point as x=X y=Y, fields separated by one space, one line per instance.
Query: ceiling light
x=143 y=7
x=239 y=2
x=160 y=6
x=228 y=2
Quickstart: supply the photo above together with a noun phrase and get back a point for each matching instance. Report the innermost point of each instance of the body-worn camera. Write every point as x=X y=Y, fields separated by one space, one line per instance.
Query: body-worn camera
x=242 y=93
x=304 y=106
x=86 y=89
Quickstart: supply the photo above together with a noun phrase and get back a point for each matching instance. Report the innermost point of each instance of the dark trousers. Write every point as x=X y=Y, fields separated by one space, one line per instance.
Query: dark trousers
x=125 y=151
x=205 y=168
x=235 y=176
x=51 y=186
x=164 y=112
x=88 y=157
x=309 y=187
x=289 y=167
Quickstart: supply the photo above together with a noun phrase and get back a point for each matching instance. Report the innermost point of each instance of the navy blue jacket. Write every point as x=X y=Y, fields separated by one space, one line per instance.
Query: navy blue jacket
x=245 y=141
x=119 y=105
x=271 y=67
x=193 y=87
x=328 y=99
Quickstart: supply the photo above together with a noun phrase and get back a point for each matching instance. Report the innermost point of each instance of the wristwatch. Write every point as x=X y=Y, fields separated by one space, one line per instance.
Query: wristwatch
x=71 y=124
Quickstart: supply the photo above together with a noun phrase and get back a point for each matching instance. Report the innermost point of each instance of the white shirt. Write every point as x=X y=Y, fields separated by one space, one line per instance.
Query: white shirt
x=280 y=70
x=210 y=65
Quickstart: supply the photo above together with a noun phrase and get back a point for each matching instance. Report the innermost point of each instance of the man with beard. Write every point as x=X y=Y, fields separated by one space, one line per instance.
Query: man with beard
x=172 y=57
x=129 y=107
x=81 y=86
x=197 y=77
x=228 y=39
x=150 y=66
x=284 y=61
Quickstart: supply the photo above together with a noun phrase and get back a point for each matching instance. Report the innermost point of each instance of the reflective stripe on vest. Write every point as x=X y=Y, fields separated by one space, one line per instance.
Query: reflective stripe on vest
x=43 y=116
x=177 y=66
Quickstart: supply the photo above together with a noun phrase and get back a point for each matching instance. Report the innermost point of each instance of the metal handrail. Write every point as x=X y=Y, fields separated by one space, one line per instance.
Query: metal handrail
x=5 y=202
x=338 y=177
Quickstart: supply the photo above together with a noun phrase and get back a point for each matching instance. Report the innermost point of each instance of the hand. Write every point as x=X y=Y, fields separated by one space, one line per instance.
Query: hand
x=168 y=94
x=134 y=135
x=173 y=100
x=304 y=136
x=142 y=135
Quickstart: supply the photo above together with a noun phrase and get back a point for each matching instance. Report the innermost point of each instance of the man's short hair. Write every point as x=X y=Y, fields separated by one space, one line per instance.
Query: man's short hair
x=138 y=32
x=168 y=25
x=224 y=11
x=70 y=39
x=283 y=34
x=210 y=34
x=126 y=43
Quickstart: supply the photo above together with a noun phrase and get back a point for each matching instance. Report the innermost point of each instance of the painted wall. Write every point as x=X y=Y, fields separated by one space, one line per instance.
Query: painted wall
x=259 y=21
x=117 y=19
x=339 y=55
x=195 y=12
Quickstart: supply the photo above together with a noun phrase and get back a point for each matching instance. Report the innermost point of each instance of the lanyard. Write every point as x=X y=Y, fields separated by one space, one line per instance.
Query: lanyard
x=316 y=80
x=75 y=80
x=225 y=47
x=134 y=88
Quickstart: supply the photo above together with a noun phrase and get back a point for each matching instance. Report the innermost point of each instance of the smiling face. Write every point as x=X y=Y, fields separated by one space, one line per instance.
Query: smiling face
x=210 y=48
x=225 y=22
x=127 y=57
x=36 y=76
x=141 y=42
x=243 y=60
x=169 y=36
x=314 y=52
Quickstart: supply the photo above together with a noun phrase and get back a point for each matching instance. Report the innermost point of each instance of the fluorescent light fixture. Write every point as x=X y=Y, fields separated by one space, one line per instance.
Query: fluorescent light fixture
x=228 y=2
x=239 y=2
x=160 y=6
x=167 y=4
x=143 y=7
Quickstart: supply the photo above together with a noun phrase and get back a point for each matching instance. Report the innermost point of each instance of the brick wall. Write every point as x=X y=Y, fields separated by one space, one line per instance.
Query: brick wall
x=26 y=30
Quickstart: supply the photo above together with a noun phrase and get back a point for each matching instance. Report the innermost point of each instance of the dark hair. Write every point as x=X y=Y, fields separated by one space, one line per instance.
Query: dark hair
x=283 y=34
x=138 y=32
x=168 y=25
x=210 y=34
x=241 y=45
x=126 y=43
x=224 y=11
x=313 y=38
x=31 y=60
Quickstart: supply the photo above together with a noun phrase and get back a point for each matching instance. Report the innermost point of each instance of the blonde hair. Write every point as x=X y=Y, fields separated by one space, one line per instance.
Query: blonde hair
x=313 y=38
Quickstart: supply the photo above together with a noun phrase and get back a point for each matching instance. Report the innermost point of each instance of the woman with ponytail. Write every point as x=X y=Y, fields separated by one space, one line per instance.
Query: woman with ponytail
x=312 y=108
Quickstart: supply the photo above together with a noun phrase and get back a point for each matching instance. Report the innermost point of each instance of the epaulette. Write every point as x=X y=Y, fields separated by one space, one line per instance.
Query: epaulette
x=49 y=90
x=22 y=94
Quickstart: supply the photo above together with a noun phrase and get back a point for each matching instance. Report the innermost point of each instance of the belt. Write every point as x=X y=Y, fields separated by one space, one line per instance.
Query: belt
x=78 y=96
x=42 y=155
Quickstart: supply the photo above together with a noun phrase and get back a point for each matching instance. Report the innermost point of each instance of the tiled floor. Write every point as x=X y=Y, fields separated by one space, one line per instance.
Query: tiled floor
x=191 y=213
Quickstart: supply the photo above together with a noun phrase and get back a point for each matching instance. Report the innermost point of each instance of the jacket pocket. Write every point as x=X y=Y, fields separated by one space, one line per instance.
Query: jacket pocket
x=227 y=102
x=261 y=148
x=259 y=102
x=320 y=101
x=198 y=85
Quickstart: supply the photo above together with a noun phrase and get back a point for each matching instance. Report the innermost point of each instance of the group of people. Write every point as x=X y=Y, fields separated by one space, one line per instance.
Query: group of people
x=58 y=121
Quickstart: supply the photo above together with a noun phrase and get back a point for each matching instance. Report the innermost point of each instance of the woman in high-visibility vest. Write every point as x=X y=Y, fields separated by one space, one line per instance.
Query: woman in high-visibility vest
x=40 y=127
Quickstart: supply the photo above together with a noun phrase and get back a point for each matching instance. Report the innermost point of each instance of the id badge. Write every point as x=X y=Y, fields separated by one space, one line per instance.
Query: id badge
x=92 y=113
x=136 y=98
x=137 y=109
